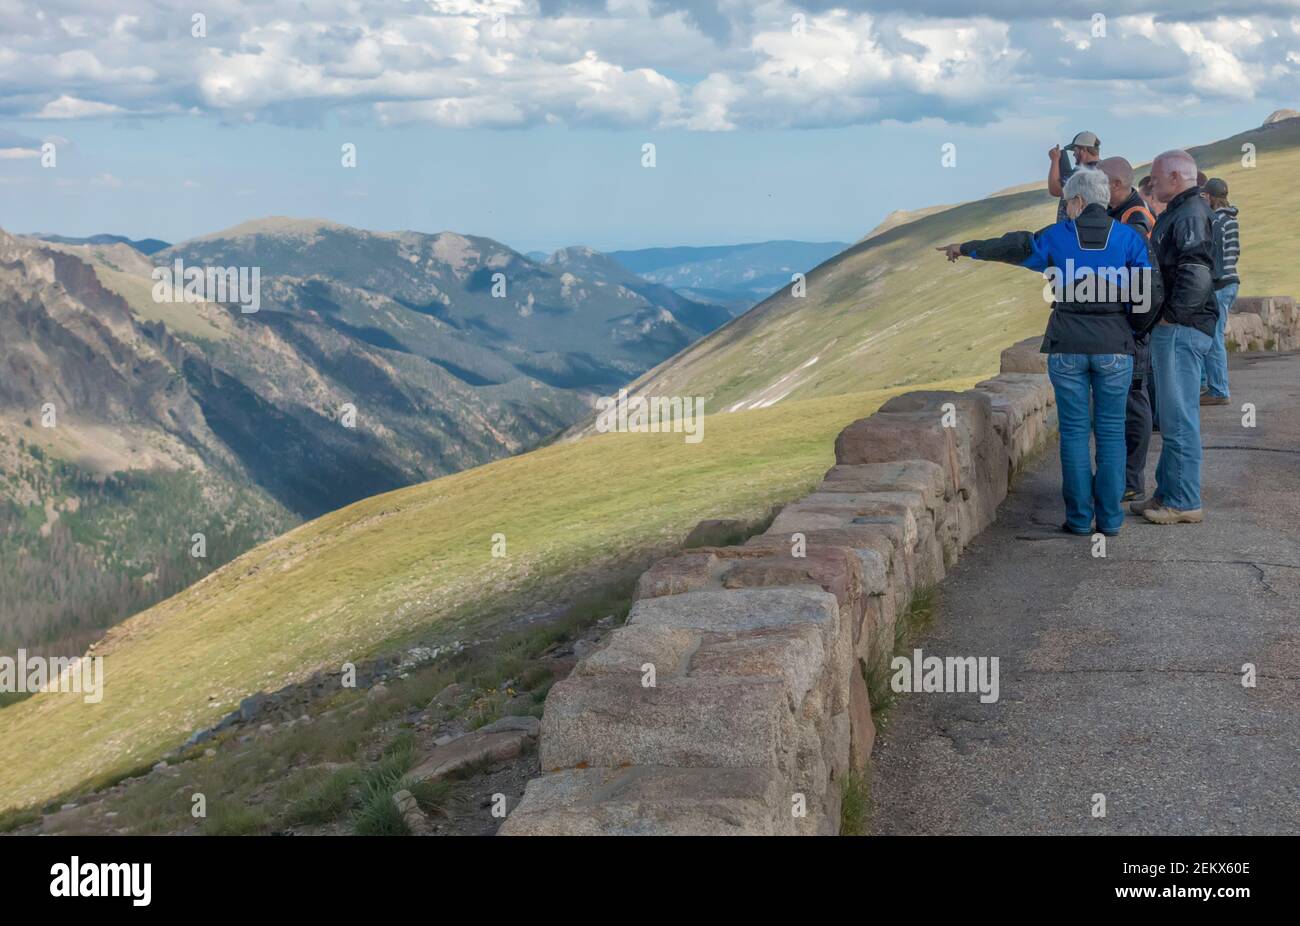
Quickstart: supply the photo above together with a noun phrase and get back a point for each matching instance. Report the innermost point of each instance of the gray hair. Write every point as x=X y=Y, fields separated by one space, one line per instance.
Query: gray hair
x=1179 y=163
x=1090 y=184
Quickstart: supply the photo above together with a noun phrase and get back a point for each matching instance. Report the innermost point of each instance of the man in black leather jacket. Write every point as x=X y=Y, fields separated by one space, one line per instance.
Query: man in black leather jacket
x=1183 y=242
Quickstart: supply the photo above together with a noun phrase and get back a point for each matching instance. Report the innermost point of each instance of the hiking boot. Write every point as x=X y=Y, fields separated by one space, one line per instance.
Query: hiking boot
x=1164 y=515
x=1141 y=505
x=1208 y=399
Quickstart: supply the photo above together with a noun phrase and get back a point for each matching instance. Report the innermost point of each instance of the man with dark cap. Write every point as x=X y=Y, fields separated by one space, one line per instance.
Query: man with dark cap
x=1087 y=150
x=1227 y=248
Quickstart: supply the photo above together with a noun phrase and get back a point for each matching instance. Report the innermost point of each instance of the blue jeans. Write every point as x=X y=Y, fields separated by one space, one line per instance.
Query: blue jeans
x=1091 y=396
x=1215 y=377
x=1177 y=359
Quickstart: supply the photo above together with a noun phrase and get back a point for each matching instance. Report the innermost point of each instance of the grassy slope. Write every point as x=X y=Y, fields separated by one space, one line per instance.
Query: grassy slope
x=889 y=312
x=1268 y=201
x=414 y=561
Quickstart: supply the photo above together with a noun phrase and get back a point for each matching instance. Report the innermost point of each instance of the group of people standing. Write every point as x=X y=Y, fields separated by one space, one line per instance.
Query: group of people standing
x=1145 y=276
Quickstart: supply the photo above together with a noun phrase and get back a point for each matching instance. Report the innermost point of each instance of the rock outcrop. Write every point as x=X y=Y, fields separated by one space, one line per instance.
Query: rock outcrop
x=1263 y=323
x=734 y=700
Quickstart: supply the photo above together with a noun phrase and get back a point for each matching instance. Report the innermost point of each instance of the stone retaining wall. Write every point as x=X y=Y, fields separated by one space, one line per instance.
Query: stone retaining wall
x=1263 y=323
x=759 y=705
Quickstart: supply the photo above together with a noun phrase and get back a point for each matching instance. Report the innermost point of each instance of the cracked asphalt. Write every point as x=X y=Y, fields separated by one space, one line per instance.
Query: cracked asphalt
x=1122 y=676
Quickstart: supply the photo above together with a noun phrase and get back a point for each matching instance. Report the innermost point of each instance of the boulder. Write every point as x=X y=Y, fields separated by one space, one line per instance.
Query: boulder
x=862 y=728
x=1245 y=331
x=449 y=695
x=977 y=457
x=685 y=572
x=738 y=610
x=885 y=581
x=690 y=722
x=922 y=476
x=409 y=808
x=1024 y=357
x=883 y=438
x=654 y=801
x=883 y=536
x=793 y=655
x=631 y=648
x=513 y=723
x=1020 y=411
x=836 y=570
x=469 y=750
x=251 y=706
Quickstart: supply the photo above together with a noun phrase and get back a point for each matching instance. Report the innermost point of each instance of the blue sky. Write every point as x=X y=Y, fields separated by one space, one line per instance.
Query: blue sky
x=524 y=121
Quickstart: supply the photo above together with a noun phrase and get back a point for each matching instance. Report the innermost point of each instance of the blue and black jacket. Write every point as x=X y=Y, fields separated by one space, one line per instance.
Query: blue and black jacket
x=1092 y=244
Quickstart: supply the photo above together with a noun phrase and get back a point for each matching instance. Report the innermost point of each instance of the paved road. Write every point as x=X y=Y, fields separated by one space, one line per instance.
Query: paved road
x=1122 y=675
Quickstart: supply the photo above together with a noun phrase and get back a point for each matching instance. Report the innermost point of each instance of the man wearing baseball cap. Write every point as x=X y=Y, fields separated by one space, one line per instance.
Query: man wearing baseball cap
x=1087 y=150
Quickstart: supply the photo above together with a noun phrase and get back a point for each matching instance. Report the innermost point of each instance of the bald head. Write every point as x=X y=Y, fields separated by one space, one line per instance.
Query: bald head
x=1172 y=173
x=1120 y=174
x=1118 y=169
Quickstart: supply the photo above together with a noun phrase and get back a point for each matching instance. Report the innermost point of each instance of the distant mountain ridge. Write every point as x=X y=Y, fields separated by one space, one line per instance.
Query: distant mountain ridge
x=480 y=309
x=144 y=245
x=753 y=271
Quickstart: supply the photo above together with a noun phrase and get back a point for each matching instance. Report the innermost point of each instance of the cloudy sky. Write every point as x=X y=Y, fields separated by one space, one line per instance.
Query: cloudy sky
x=526 y=120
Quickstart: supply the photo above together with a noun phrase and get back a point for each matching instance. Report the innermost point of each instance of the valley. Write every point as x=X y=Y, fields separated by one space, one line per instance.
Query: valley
x=340 y=364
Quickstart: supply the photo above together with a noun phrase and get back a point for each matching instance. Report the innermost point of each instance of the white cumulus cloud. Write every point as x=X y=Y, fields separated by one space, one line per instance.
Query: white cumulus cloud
x=722 y=66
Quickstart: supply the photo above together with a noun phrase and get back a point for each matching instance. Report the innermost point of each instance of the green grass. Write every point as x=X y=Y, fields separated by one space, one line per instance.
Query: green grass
x=12 y=819
x=415 y=563
x=378 y=815
x=855 y=804
x=326 y=797
x=909 y=625
x=231 y=820
x=316 y=774
x=1267 y=202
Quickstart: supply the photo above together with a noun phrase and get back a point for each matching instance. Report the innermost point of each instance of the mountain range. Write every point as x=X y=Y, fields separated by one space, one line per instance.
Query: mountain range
x=143 y=245
x=737 y=275
x=374 y=360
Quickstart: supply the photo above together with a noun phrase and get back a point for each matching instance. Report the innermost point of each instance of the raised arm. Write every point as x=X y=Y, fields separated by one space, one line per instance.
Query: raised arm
x=1054 y=172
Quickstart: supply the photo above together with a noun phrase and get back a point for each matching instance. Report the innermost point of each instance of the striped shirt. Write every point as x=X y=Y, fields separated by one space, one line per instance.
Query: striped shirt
x=1227 y=246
